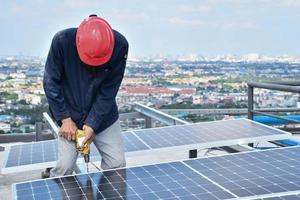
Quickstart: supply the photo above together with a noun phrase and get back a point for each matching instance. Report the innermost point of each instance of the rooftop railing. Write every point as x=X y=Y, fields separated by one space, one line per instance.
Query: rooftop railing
x=285 y=86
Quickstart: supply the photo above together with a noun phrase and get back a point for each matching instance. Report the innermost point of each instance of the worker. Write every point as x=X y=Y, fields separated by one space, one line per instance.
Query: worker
x=83 y=72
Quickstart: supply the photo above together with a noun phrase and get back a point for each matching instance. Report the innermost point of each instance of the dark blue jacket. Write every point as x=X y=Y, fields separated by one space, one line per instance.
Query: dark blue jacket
x=76 y=90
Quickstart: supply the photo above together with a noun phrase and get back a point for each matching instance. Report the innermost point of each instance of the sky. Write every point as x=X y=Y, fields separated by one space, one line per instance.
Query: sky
x=159 y=27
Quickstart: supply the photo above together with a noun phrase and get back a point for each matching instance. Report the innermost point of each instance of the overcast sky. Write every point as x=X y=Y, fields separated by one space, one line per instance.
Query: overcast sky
x=166 y=27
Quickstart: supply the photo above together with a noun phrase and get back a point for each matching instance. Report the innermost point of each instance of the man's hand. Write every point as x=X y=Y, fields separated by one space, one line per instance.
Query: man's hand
x=89 y=134
x=68 y=129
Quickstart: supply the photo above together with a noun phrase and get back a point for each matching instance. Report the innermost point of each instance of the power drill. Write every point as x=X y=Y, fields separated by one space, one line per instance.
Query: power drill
x=84 y=150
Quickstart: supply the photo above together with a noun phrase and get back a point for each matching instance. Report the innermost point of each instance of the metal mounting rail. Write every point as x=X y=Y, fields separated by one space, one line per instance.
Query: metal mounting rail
x=52 y=124
x=158 y=115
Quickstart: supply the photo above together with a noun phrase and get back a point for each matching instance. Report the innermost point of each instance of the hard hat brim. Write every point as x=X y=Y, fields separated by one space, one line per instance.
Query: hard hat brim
x=95 y=61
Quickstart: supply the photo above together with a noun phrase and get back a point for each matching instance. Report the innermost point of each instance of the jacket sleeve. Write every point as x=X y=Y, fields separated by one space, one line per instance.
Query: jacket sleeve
x=53 y=79
x=105 y=98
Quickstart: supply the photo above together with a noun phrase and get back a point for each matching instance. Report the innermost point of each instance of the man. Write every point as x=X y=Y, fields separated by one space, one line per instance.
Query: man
x=83 y=72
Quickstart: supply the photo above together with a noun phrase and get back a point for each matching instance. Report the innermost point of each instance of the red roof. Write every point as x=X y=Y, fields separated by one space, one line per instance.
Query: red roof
x=152 y=90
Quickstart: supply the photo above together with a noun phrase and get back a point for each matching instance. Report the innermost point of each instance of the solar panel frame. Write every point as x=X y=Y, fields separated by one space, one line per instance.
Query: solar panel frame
x=166 y=150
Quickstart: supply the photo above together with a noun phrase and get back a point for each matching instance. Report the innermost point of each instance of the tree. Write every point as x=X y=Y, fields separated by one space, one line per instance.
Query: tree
x=27 y=129
x=12 y=96
x=23 y=102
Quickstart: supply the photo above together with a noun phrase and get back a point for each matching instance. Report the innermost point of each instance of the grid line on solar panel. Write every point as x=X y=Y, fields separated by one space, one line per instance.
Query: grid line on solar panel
x=253 y=173
x=206 y=132
x=163 y=181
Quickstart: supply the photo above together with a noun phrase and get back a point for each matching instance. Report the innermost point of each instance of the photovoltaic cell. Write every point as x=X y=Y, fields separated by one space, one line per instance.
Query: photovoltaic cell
x=132 y=143
x=162 y=181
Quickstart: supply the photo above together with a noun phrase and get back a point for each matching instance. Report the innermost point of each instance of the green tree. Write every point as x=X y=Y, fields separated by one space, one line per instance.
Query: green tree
x=23 y=102
x=12 y=96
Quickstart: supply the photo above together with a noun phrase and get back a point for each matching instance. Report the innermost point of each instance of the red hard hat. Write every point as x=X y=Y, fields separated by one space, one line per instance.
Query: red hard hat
x=94 y=41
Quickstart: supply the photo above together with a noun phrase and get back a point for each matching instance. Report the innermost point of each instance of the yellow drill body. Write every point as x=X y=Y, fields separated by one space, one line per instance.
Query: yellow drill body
x=85 y=149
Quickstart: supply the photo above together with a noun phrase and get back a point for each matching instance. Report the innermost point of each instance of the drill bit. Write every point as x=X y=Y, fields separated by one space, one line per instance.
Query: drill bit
x=87 y=160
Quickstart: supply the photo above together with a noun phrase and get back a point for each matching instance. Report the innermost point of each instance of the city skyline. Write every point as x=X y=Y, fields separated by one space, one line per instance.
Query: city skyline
x=169 y=28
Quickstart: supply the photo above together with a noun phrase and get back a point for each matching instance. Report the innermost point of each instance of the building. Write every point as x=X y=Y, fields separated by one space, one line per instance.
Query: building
x=5 y=127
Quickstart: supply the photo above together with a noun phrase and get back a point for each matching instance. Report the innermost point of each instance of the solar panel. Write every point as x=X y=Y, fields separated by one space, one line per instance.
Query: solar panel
x=44 y=154
x=24 y=157
x=253 y=175
x=165 y=139
x=210 y=134
x=27 y=154
x=162 y=181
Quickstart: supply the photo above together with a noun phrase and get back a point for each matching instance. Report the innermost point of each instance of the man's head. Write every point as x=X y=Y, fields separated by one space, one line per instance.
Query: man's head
x=95 y=41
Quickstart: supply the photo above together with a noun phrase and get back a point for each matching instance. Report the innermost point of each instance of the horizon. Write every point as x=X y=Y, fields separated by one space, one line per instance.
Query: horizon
x=174 y=57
